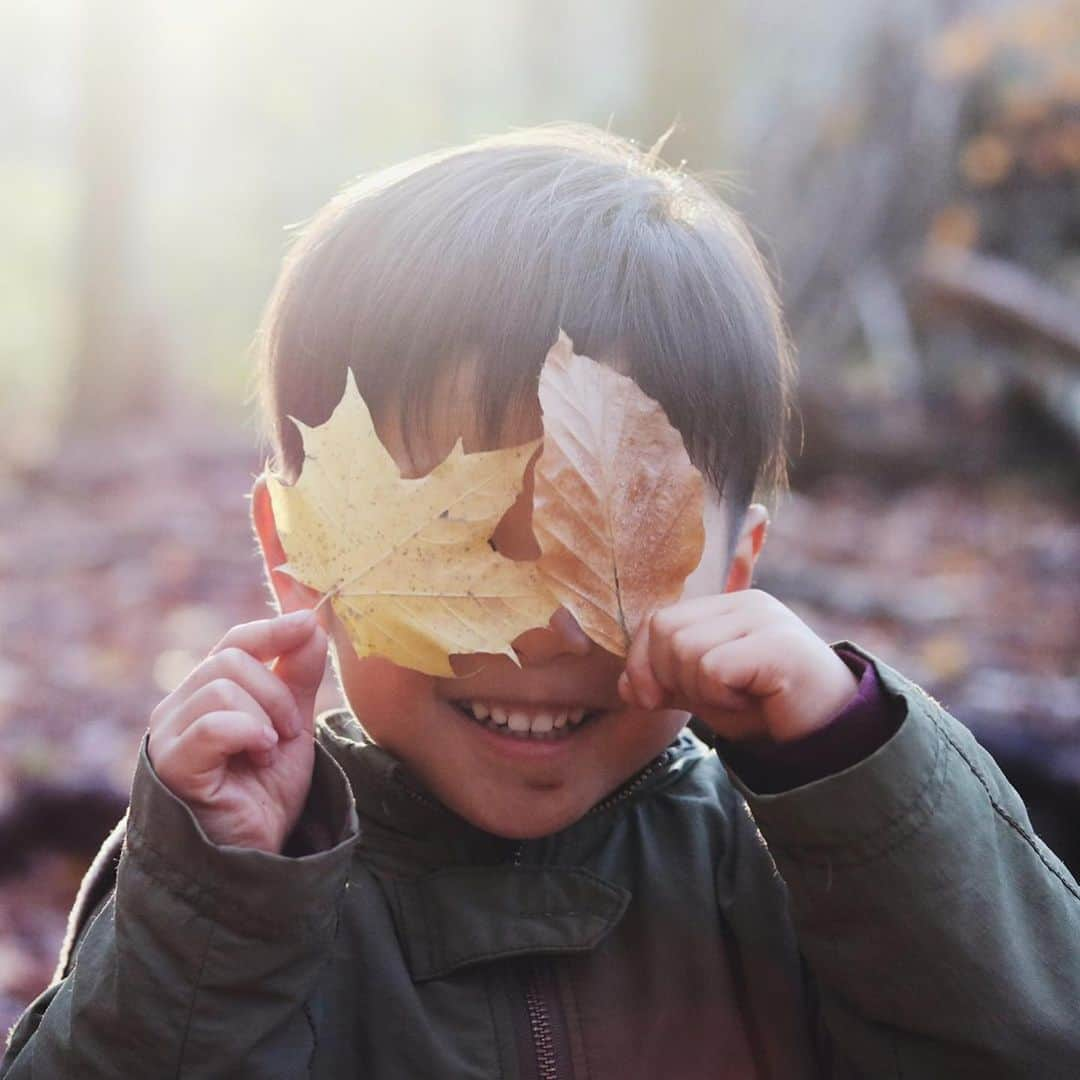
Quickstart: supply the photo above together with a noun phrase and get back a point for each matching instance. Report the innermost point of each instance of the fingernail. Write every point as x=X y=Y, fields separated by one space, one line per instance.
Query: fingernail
x=269 y=736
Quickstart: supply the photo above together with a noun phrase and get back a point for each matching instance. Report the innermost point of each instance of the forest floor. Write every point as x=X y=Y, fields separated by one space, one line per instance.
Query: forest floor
x=125 y=559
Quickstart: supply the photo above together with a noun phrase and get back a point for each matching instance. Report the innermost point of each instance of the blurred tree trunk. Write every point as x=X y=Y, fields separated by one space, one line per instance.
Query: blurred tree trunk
x=114 y=370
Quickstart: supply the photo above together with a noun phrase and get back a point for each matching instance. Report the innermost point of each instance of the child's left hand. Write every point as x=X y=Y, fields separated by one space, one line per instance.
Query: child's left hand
x=742 y=662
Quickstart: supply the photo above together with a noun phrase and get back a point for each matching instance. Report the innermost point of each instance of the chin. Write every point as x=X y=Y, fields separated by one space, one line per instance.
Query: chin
x=524 y=822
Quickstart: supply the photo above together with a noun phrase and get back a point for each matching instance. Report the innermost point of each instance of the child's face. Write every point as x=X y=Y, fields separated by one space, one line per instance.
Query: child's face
x=505 y=784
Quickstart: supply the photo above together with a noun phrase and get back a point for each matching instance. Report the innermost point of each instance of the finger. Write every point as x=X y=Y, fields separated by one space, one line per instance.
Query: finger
x=751 y=608
x=665 y=627
x=266 y=639
x=680 y=633
x=233 y=666
x=638 y=679
x=676 y=621
x=262 y=759
x=731 y=723
x=730 y=712
x=208 y=742
x=683 y=612
x=686 y=647
x=649 y=667
x=742 y=667
x=219 y=695
x=301 y=671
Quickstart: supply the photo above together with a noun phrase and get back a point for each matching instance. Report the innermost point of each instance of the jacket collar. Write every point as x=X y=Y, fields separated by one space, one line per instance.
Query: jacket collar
x=460 y=896
x=398 y=815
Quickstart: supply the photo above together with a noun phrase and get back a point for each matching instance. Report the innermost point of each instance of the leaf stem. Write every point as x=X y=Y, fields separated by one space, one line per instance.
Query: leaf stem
x=328 y=595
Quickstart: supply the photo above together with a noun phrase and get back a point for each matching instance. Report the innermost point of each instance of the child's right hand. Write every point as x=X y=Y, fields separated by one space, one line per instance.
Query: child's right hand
x=235 y=740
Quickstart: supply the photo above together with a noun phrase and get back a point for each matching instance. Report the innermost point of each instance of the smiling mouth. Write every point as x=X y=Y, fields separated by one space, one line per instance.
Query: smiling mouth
x=526 y=722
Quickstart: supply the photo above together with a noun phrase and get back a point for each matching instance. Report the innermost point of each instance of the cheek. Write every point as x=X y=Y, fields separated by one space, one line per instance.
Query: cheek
x=383 y=696
x=638 y=736
x=708 y=577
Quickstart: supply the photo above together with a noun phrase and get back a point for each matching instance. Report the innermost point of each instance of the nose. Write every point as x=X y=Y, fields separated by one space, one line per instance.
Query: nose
x=561 y=636
x=513 y=537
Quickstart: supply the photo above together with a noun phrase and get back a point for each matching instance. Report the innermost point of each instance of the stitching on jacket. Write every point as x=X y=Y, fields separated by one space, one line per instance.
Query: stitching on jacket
x=891 y=834
x=191 y=1007
x=433 y=932
x=494 y=1028
x=213 y=901
x=306 y=1009
x=451 y=965
x=743 y=1005
x=894 y=1042
x=570 y=998
x=518 y=915
x=484 y=871
x=841 y=838
x=1013 y=824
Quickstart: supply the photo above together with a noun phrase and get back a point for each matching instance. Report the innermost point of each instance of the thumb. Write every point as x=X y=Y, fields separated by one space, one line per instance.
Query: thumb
x=302 y=669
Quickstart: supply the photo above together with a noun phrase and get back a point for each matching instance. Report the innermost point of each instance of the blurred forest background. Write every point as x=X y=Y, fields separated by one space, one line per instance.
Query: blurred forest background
x=910 y=169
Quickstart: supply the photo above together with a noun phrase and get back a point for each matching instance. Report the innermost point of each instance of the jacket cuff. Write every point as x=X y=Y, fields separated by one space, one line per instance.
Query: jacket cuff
x=866 y=808
x=252 y=892
x=866 y=722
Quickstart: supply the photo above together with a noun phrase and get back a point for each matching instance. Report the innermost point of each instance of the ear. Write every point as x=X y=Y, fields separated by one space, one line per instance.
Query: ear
x=289 y=593
x=748 y=547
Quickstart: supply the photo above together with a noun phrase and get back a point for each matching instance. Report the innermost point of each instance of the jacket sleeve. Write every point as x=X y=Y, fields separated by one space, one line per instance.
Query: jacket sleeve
x=941 y=934
x=200 y=960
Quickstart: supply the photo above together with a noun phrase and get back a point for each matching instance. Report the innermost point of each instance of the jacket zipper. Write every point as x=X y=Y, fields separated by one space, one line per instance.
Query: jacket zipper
x=539 y=1015
x=543 y=1038
x=656 y=764
x=547 y=1067
x=540 y=1022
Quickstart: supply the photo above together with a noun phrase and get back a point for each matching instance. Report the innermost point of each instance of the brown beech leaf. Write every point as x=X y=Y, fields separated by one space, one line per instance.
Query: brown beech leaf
x=617 y=503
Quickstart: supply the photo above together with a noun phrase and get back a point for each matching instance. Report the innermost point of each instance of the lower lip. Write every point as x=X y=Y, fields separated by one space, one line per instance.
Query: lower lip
x=527 y=749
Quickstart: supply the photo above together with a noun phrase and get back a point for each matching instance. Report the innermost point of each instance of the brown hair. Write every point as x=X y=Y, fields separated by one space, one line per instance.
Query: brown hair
x=488 y=250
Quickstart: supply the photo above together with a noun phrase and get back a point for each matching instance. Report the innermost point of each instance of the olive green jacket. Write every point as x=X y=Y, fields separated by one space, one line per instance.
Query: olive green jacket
x=896 y=919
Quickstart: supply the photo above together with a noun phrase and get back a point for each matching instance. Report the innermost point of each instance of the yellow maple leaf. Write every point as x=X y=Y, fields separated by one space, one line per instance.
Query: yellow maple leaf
x=405 y=562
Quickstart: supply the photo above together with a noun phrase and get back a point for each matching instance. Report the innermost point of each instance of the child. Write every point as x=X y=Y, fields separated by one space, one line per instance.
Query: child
x=542 y=871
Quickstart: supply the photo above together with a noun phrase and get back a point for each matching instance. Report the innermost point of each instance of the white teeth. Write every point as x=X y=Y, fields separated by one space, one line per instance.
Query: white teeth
x=543 y=722
x=522 y=721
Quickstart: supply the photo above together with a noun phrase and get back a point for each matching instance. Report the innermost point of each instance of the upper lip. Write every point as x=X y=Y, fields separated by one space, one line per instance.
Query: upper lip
x=530 y=702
